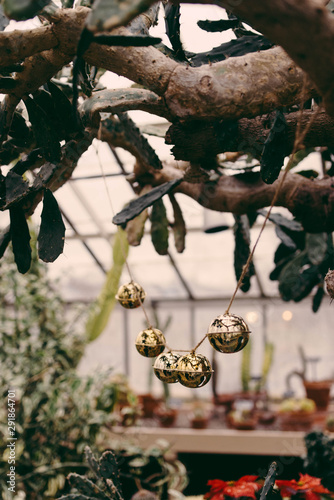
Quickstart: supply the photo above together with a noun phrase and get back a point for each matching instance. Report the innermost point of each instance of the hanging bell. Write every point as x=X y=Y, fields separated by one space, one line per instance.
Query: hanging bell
x=228 y=333
x=150 y=342
x=131 y=295
x=164 y=367
x=193 y=370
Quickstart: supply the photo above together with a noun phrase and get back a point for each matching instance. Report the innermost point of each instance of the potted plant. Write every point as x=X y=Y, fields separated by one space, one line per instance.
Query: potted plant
x=297 y=414
x=199 y=416
x=243 y=419
x=252 y=387
x=317 y=390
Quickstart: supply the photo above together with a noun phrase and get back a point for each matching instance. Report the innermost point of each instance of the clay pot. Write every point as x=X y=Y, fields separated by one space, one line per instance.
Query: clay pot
x=148 y=404
x=165 y=416
x=199 y=422
x=319 y=392
x=248 y=423
x=296 y=420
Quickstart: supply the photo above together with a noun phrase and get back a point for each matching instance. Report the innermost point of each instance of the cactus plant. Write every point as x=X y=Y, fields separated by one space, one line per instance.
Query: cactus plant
x=144 y=470
x=107 y=484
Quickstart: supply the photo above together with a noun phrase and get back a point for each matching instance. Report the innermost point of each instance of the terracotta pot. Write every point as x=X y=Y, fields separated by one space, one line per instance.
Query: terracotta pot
x=243 y=425
x=266 y=417
x=296 y=420
x=319 y=391
x=199 y=422
x=148 y=404
x=166 y=416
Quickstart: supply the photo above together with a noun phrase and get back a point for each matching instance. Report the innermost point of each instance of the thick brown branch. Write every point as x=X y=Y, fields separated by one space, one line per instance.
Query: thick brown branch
x=16 y=45
x=229 y=89
x=118 y=101
x=237 y=87
x=310 y=201
x=304 y=28
x=204 y=140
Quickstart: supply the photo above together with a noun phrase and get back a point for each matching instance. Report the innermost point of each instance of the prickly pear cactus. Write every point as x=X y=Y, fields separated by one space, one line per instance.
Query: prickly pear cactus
x=106 y=485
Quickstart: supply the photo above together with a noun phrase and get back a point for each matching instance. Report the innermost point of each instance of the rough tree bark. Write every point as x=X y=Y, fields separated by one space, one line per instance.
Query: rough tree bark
x=238 y=89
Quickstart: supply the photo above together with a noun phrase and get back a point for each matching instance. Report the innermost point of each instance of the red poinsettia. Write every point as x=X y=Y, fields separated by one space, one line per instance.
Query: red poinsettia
x=245 y=487
x=308 y=487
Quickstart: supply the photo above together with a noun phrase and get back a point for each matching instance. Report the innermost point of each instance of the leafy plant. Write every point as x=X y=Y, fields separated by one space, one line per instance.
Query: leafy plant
x=319 y=460
x=56 y=411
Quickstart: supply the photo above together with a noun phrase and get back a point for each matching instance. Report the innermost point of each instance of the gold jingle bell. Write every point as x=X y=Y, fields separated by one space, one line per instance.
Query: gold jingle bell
x=228 y=333
x=130 y=295
x=193 y=370
x=150 y=342
x=164 y=367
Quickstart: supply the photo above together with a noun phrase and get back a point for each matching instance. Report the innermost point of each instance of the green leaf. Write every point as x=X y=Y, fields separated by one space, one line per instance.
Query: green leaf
x=172 y=24
x=285 y=238
x=20 y=237
x=63 y=109
x=317 y=299
x=242 y=250
x=23 y=9
x=105 y=303
x=159 y=228
x=316 y=247
x=4 y=240
x=51 y=235
x=280 y=220
x=135 y=207
x=274 y=150
x=135 y=228
x=16 y=187
x=218 y=26
x=109 y=14
x=126 y=41
x=44 y=131
x=178 y=226
x=298 y=278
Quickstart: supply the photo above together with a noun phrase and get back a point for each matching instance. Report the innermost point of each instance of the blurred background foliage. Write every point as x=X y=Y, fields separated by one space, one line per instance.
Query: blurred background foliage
x=58 y=412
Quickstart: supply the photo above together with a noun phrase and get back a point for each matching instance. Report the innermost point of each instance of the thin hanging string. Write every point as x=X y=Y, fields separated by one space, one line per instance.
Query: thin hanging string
x=99 y=134
x=299 y=138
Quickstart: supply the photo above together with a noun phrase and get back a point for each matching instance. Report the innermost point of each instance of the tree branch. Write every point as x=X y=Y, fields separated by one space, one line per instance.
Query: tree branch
x=118 y=101
x=16 y=45
x=310 y=201
x=201 y=140
x=304 y=28
x=229 y=89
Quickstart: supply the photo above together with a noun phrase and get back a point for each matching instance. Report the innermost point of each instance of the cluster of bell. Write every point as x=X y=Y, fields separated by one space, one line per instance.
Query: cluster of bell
x=227 y=333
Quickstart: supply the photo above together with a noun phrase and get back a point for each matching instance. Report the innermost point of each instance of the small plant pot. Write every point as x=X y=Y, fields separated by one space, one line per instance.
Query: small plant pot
x=166 y=416
x=296 y=421
x=266 y=417
x=199 y=422
x=319 y=392
x=248 y=423
x=148 y=404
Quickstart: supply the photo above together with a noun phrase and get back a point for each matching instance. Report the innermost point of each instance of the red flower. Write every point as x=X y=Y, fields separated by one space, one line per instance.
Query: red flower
x=245 y=487
x=308 y=487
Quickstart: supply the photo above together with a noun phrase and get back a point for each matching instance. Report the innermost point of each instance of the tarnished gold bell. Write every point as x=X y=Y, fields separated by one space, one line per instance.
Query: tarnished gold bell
x=164 y=367
x=150 y=342
x=228 y=333
x=130 y=295
x=193 y=370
